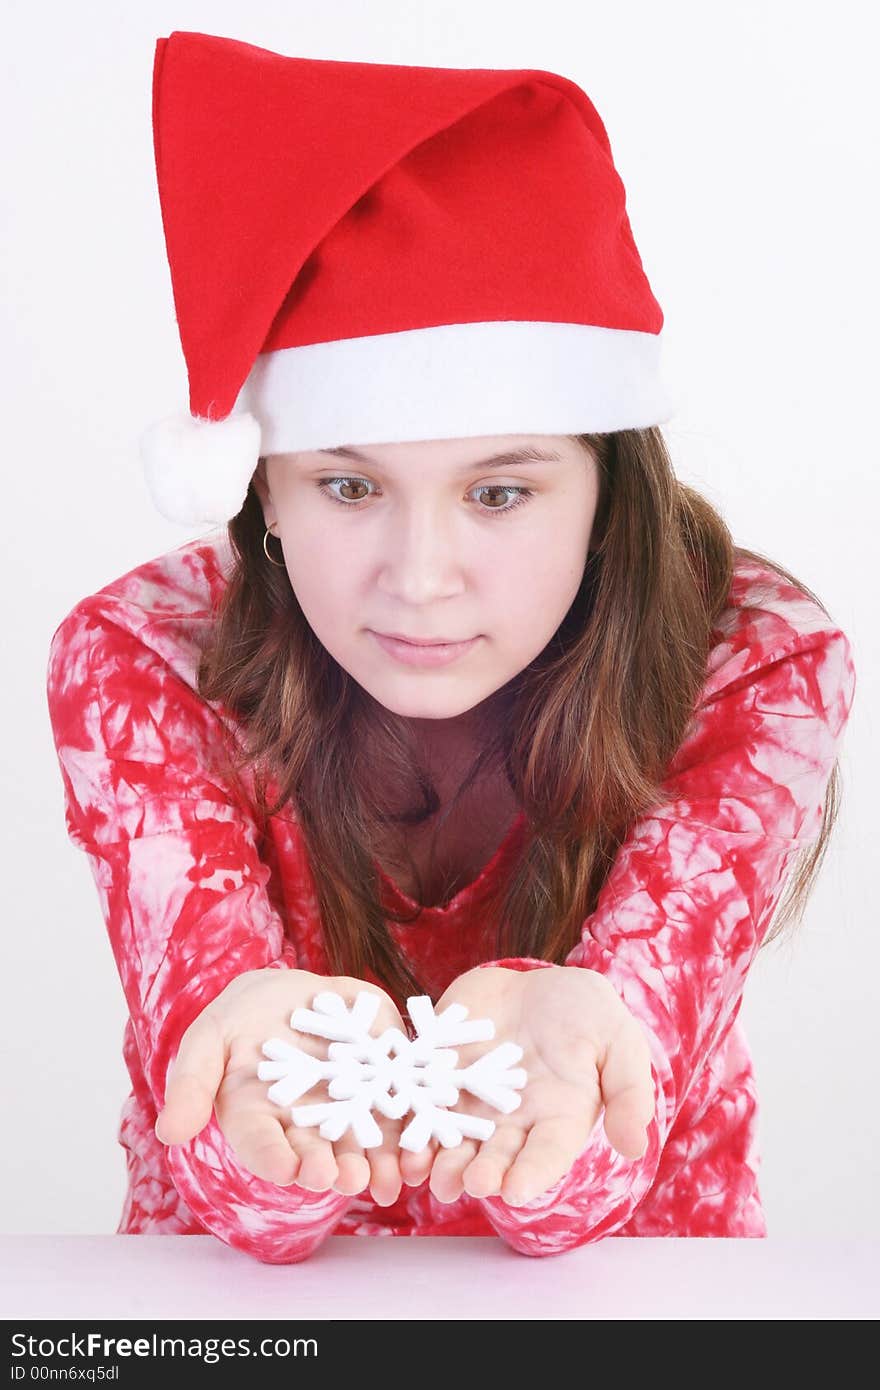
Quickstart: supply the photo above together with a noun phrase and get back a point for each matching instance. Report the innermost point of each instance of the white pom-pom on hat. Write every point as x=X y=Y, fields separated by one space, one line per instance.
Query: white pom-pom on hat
x=198 y=470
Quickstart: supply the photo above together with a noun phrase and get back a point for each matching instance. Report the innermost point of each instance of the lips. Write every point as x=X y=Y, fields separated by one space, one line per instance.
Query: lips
x=425 y=654
x=425 y=641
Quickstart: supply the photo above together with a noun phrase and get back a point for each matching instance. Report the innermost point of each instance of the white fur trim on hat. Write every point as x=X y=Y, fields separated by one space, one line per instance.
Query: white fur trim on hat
x=455 y=381
x=198 y=470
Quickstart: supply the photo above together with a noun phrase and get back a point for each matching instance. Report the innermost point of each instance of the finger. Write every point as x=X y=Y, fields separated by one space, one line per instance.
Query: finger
x=192 y=1082
x=353 y=1165
x=255 y=1131
x=546 y=1156
x=318 y=1169
x=449 y=1165
x=484 y=1176
x=386 y=1180
x=415 y=1167
x=628 y=1090
x=259 y=1143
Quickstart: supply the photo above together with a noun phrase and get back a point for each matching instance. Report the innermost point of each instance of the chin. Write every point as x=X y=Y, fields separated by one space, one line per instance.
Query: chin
x=425 y=709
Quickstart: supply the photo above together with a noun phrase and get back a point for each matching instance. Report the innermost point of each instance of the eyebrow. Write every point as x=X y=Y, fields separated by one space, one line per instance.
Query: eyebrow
x=528 y=454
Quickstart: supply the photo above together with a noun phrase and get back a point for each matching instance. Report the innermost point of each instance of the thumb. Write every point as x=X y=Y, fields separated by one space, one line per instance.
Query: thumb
x=192 y=1082
x=628 y=1093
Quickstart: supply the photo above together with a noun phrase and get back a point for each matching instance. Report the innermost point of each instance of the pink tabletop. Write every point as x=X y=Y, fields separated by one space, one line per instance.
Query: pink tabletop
x=438 y=1277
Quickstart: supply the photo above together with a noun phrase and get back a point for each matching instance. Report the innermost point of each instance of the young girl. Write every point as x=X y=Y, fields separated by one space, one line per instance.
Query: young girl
x=465 y=696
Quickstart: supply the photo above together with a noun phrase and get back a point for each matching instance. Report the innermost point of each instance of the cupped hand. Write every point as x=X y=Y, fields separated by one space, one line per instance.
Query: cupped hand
x=582 y=1049
x=216 y=1068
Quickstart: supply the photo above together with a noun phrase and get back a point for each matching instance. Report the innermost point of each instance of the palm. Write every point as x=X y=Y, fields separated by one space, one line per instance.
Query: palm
x=559 y=1050
x=568 y=1023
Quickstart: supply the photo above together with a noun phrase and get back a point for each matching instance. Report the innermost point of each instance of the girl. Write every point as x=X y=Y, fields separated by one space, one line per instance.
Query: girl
x=468 y=696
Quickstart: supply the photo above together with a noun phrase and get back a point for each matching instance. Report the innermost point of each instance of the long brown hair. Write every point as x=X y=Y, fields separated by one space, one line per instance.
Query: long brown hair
x=583 y=735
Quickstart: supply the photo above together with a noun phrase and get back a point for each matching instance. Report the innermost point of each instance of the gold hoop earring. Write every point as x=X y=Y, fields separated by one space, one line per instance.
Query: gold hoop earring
x=279 y=563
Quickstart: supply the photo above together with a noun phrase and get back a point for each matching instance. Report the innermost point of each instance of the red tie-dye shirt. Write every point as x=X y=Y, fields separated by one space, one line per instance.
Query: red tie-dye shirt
x=191 y=898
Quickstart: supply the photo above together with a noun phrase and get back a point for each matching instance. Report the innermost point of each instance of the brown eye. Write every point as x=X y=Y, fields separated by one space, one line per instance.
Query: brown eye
x=522 y=495
x=495 y=487
x=353 y=503
x=324 y=485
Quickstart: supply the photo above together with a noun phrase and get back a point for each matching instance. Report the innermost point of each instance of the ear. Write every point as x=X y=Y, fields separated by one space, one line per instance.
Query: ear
x=261 y=487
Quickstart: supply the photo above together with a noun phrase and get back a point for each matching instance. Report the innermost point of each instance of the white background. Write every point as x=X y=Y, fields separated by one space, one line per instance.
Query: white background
x=745 y=136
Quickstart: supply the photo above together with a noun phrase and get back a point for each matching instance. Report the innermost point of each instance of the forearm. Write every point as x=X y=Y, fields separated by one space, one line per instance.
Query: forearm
x=277 y=1225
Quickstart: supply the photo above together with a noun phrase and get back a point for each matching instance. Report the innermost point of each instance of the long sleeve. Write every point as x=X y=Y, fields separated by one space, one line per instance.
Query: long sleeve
x=693 y=889
x=182 y=889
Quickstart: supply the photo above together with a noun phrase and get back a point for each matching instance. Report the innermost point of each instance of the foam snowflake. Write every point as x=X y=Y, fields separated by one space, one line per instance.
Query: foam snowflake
x=392 y=1073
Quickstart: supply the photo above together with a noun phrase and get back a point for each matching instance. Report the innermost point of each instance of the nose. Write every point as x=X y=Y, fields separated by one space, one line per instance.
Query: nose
x=421 y=552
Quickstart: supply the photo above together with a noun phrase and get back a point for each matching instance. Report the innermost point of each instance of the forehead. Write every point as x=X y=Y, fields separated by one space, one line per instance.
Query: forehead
x=482 y=451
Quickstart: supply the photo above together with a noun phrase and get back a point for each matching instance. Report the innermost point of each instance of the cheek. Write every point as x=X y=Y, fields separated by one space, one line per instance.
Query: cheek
x=528 y=596
x=320 y=591
x=319 y=576
x=533 y=585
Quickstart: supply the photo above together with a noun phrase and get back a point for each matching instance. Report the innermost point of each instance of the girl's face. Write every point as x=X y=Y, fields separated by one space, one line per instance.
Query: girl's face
x=453 y=538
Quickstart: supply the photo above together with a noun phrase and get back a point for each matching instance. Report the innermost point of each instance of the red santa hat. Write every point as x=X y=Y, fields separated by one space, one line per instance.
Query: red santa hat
x=364 y=253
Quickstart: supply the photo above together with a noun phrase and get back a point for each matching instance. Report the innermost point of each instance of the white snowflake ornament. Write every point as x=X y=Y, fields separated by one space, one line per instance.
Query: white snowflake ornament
x=392 y=1073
